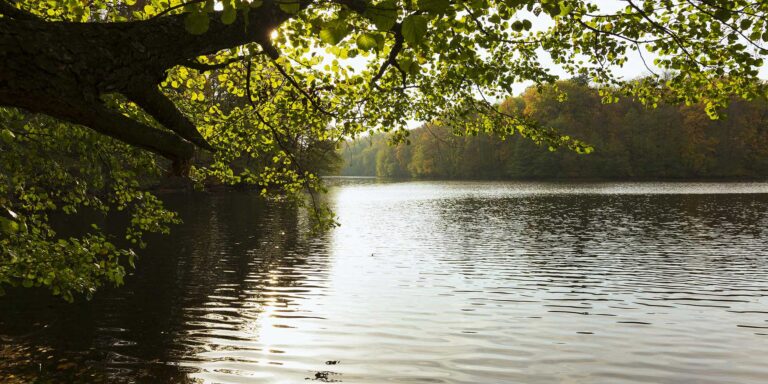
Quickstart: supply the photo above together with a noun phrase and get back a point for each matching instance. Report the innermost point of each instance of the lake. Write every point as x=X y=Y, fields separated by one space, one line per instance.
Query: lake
x=427 y=282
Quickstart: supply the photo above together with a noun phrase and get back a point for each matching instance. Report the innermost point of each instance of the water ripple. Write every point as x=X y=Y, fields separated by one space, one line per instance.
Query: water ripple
x=432 y=282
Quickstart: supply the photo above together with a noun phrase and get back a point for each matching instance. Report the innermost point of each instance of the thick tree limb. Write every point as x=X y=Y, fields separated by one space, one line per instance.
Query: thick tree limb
x=152 y=101
x=7 y=9
x=130 y=131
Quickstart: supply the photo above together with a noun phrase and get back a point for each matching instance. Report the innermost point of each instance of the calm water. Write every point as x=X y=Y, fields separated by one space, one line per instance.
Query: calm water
x=429 y=282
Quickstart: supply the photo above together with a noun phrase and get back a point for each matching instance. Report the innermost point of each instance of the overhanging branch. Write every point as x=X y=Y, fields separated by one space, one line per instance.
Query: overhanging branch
x=129 y=131
x=8 y=9
x=211 y=67
x=152 y=101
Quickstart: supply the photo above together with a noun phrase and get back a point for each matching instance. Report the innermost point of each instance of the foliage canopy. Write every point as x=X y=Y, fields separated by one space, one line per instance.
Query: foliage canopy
x=101 y=95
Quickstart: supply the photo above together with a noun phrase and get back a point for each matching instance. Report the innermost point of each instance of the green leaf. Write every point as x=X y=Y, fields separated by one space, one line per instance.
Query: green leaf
x=7 y=136
x=290 y=6
x=405 y=63
x=380 y=41
x=565 y=10
x=8 y=226
x=229 y=15
x=367 y=42
x=334 y=34
x=197 y=23
x=383 y=15
x=722 y=14
x=552 y=8
x=433 y=6
x=414 y=28
x=327 y=36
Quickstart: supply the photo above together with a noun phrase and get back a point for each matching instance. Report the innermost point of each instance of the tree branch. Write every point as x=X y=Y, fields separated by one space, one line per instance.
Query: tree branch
x=211 y=67
x=274 y=54
x=177 y=6
x=617 y=35
x=152 y=101
x=296 y=163
x=113 y=124
x=8 y=9
x=665 y=30
x=392 y=57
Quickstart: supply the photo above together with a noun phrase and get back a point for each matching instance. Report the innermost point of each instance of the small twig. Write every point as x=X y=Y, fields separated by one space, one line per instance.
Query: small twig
x=175 y=7
x=642 y=57
x=211 y=67
x=274 y=54
x=392 y=57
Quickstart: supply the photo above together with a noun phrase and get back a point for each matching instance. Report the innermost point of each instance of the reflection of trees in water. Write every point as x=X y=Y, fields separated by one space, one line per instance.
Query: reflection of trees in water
x=207 y=274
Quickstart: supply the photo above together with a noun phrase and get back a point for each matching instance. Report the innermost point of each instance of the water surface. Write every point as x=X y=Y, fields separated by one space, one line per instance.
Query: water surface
x=429 y=282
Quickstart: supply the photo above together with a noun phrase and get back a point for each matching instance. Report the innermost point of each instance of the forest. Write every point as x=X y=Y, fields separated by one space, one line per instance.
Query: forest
x=628 y=141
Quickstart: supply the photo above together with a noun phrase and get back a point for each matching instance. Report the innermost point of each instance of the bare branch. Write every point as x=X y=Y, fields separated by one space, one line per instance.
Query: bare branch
x=642 y=57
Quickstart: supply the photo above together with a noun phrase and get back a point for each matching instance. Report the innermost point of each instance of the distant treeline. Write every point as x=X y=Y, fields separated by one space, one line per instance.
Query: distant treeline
x=629 y=140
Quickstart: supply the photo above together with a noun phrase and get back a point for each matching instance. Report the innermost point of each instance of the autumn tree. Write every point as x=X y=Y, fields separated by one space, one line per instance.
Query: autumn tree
x=629 y=141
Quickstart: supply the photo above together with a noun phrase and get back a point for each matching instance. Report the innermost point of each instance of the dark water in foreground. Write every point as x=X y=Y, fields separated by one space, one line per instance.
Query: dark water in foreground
x=429 y=282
